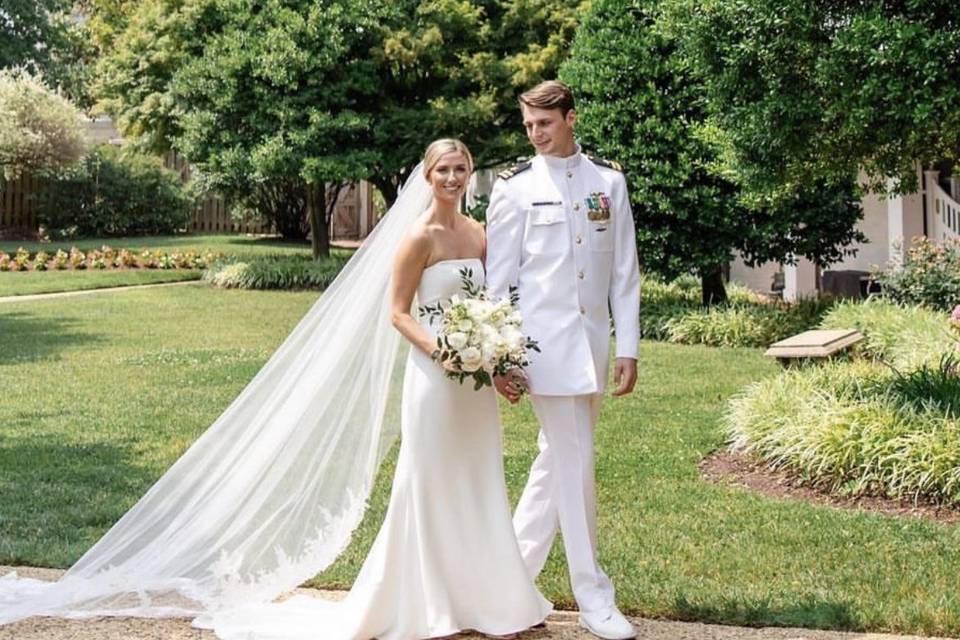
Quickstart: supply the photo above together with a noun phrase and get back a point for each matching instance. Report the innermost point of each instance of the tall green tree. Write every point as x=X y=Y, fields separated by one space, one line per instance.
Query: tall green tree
x=455 y=68
x=30 y=30
x=639 y=101
x=273 y=108
x=805 y=90
x=442 y=68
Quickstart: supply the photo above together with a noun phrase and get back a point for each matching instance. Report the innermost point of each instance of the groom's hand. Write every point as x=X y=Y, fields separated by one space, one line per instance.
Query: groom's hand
x=625 y=375
x=511 y=385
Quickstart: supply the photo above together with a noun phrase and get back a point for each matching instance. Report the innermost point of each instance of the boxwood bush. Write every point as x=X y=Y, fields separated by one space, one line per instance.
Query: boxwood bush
x=114 y=192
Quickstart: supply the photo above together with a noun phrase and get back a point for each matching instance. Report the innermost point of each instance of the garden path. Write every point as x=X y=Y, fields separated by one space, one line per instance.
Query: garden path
x=561 y=625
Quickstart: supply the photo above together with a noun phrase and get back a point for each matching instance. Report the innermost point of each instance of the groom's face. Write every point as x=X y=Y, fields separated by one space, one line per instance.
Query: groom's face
x=549 y=130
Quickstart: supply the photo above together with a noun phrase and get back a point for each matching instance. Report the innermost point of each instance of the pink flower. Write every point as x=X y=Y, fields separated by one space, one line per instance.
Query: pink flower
x=955 y=317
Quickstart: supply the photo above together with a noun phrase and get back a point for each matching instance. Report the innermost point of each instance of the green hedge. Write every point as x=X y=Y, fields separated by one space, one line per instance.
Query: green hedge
x=114 y=192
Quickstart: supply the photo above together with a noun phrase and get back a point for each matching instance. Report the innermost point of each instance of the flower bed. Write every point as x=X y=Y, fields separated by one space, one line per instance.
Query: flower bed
x=106 y=258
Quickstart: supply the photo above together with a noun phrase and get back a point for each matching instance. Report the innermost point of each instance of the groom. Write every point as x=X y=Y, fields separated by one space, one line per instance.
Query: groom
x=560 y=229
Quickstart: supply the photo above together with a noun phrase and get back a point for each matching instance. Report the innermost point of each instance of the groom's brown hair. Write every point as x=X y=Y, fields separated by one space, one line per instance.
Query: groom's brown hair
x=551 y=94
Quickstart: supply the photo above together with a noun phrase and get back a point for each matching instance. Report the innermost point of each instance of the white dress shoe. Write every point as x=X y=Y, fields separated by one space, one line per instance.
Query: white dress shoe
x=608 y=624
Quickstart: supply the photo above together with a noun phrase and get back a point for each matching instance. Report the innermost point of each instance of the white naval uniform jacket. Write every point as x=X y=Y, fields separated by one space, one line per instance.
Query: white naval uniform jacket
x=570 y=271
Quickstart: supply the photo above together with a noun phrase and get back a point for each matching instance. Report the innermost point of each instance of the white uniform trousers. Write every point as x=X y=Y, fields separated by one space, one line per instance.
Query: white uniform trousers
x=561 y=490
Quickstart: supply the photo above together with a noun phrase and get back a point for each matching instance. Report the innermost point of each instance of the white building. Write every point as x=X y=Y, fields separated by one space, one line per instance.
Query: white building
x=889 y=223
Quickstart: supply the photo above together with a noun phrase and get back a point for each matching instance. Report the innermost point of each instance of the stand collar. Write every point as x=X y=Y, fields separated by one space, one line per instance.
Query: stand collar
x=562 y=164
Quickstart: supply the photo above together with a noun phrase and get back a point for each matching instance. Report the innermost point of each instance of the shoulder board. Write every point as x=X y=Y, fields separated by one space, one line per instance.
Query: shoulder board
x=602 y=162
x=520 y=167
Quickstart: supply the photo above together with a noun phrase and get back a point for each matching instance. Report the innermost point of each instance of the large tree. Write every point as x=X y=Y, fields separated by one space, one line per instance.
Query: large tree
x=442 y=68
x=30 y=30
x=273 y=108
x=640 y=102
x=455 y=68
x=805 y=90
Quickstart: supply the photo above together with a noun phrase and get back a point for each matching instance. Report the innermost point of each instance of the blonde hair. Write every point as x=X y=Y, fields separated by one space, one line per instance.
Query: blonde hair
x=551 y=94
x=440 y=148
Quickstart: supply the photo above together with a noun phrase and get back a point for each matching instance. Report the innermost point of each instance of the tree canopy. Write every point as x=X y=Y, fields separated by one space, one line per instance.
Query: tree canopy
x=817 y=90
x=40 y=131
x=641 y=102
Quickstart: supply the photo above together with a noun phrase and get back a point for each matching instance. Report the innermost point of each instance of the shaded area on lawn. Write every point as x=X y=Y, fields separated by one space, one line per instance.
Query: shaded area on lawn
x=30 y=337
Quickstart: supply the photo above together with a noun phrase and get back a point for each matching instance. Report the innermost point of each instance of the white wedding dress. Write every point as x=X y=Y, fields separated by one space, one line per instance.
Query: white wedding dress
x=446 y=558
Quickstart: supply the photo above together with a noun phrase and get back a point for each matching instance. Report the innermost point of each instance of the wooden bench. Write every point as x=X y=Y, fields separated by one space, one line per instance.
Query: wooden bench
x=818 y=343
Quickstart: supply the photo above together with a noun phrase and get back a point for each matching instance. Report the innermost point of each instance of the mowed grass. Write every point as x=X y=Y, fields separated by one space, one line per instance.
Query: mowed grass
x=53 y=281
x=32 y=282
x=101 y=393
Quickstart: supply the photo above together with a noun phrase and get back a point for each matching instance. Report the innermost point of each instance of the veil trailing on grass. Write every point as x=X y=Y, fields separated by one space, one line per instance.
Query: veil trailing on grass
x=270 y=494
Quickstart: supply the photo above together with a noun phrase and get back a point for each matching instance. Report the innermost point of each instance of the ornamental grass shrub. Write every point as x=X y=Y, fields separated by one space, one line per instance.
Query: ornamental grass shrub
x=276 y=272
x=905 y=336
x=672 y=311
x=885 y=423
x=739 y=324
x=848 y=428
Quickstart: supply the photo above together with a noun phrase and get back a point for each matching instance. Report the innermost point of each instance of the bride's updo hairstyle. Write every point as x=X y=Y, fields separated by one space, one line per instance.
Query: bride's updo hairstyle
x=440 y=148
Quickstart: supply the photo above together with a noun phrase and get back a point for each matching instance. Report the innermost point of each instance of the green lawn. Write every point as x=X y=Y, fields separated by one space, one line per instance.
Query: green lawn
x=101 y=393
x=232 y=244
x=29 y=282
x=52 y=281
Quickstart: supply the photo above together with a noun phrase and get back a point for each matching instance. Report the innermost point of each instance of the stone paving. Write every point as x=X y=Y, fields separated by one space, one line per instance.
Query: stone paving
x=562 y=625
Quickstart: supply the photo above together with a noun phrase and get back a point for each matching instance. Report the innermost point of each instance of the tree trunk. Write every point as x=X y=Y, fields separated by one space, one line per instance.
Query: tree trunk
x=712 y=289
x=387 y=188
x=317 y=214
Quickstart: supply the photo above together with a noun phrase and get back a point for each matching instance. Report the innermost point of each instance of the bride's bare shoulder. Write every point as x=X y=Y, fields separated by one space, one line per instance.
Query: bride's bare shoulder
x=414 y=249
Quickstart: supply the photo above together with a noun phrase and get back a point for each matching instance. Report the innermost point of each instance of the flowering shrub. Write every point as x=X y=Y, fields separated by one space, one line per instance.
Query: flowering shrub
x=929 y=275
x=125 y=258
x=40 y=261
x=78 y=260
x=105 y=258
x=22 y=259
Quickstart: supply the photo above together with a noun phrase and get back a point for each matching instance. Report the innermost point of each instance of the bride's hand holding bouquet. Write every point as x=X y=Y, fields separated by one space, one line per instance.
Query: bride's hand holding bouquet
x=479 y=337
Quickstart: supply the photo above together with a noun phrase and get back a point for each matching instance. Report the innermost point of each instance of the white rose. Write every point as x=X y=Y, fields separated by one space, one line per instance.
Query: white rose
x=457 y=340
x=465 y=325
x=470 y=359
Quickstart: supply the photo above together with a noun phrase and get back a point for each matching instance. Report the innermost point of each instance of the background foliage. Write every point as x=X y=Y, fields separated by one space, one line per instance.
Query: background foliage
x=642 y=100
x=114 y=193
x=40 y=131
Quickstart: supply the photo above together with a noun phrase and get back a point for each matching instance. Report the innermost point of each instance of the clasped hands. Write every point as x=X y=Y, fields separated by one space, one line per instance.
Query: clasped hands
x=513 y=384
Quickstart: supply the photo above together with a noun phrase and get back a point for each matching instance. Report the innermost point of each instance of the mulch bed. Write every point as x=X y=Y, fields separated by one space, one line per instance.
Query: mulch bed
x=734 y=468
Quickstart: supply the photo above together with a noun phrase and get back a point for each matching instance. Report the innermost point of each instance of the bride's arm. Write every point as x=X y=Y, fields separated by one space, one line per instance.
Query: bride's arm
x=408 y=265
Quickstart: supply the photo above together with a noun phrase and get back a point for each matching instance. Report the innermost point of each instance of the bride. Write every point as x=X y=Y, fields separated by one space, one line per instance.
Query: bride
x=270 y=494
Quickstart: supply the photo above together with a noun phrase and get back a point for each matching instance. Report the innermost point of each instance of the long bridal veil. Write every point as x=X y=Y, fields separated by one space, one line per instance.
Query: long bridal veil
x=269 y=495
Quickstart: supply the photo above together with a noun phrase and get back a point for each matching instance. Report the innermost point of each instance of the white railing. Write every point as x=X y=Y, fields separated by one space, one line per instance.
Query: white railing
x=943 y=209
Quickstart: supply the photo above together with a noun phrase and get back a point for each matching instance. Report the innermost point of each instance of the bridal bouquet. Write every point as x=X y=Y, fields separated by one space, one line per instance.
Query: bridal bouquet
x=479 y=337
